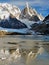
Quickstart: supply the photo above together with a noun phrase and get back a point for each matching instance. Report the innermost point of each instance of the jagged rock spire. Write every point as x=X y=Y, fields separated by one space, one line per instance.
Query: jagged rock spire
x=27 y=5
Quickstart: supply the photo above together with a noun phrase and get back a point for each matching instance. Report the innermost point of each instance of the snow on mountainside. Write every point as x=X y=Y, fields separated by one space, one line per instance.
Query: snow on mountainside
x=27 y=21
x=13 y=26
x=7 y=9
x=30 y=14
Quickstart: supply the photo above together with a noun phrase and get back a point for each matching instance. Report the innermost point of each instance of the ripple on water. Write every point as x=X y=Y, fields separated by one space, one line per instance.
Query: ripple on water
x=34 y=50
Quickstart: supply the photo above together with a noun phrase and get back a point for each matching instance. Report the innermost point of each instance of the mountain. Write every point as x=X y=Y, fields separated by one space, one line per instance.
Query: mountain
x=30 y=14
x=12 y=26
x=46 y=20
x=41 y=28
x=12 y=23
x=27 y=13
x=7 y=9
x=9 y=20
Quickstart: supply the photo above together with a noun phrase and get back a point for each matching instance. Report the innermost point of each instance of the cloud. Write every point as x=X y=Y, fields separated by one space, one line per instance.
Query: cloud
x=42 y=3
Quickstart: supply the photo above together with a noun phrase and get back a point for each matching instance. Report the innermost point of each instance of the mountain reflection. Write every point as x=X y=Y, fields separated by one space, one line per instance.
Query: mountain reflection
x=18 y=51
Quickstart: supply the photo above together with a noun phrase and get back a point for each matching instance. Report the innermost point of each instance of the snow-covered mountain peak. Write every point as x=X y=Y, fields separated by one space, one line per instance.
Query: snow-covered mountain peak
x=29 y=12
x=7 y=9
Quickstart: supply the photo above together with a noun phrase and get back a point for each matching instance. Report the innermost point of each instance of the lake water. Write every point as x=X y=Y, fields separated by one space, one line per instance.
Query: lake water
x=24 y=50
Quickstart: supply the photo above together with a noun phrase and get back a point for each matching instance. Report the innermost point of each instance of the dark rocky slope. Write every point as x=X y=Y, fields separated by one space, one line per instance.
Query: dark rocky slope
x=42 y=28
x=12 y=23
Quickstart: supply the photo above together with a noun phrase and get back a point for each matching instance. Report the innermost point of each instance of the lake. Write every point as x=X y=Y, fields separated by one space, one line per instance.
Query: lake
x=24 y=50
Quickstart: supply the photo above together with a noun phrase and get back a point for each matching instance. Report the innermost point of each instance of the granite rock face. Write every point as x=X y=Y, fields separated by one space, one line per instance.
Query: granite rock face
x=42 y=28
x=46 y=20
x=12 y=23
x=30 y=14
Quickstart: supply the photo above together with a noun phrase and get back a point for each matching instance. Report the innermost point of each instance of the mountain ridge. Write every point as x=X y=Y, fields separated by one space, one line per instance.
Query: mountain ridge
x=6 y=8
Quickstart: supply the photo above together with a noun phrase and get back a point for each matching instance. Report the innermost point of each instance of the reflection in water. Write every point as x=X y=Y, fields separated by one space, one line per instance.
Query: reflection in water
x=18 y=51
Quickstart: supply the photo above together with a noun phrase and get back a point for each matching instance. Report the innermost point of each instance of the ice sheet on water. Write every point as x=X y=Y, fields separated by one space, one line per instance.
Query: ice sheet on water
x=24 y=30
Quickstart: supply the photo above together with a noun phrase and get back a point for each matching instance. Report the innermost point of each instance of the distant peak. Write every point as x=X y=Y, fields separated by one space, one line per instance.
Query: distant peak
x=27 y=4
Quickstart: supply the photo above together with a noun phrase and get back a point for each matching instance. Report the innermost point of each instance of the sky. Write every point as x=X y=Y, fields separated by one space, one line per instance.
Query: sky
x=42 y=6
